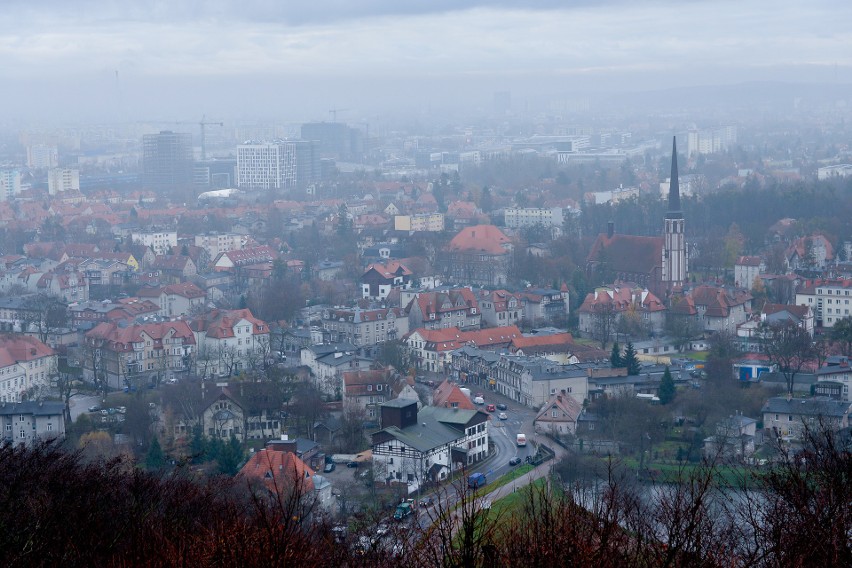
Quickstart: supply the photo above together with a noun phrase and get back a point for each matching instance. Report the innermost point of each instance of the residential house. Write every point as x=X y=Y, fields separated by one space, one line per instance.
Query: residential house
x=71 y=286
x=229 y=341
x=414 y=447
x=363 y=328
x=379 y=279
x=714 y=308
x=328 y=362
x=280 y=472
x=834 y=379
x=160 y=241
x=443 y=309
x=734 y=438
x=449 y=395
x=31 y=422
x=559 y=415
x=810 y=253
x=233 y=259
x=175 y=268
x=544 y=305
x=26 y=366
x=532 y=380
x=430 y=349
x=247 y=410
x=621 y=299
x=479 y=255
x=556 y=347
x=176 y=299
x=499 y=308
x=788 y=418
x=801 y=316
x=828 y=298
x=365 y=390
x=127 y=355
x=746 y=271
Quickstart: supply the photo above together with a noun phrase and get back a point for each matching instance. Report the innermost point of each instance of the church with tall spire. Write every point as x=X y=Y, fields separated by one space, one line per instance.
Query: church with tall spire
x=674 y=240
x=656 y=263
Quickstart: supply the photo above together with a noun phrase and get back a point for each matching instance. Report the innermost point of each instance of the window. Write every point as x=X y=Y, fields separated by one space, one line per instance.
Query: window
x=554 y=413
x=23 y=433
x=369 y=388
x=378 y=387
x=790 y=418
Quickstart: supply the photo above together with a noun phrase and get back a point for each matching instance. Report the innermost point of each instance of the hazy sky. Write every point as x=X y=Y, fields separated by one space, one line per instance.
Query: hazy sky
x=263 y=57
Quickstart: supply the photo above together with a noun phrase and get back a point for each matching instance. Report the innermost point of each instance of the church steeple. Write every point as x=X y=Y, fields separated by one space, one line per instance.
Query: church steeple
x=674 y=240
x=674 y=211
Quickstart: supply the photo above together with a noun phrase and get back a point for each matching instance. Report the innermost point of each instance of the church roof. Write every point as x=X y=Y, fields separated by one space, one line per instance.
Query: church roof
x=628 y=253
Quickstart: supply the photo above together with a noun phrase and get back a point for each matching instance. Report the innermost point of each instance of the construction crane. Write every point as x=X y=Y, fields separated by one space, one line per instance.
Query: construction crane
x=203 y=123
x=333 y=112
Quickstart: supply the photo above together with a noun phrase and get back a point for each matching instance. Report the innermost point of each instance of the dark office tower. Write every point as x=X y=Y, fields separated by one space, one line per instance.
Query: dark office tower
x=167 y=159
x=307 y=162
x=335 y=138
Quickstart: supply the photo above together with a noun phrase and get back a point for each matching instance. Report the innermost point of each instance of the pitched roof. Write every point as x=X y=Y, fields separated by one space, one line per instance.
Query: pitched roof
x=628 y=253
x=480 y=238
x=220 y=324
x=623 y=297
x=355 y=383
x=389 y=270
x=121 y=338
x=449 y=395
x=716 y=300
x=279 y=471
x=15 y=348
x=539 y=342
x=566 y=406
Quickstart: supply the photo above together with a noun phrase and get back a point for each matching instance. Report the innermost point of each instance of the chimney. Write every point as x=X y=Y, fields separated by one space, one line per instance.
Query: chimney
x=610 y=229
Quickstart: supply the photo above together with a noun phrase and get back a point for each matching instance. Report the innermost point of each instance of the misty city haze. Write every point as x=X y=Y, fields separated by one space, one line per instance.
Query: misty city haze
x=98 y=60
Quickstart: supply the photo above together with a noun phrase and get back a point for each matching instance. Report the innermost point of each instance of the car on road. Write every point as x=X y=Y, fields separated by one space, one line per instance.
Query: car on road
x=502 y=406
x=491 y=408
x=502 y=416
x=352 y=464
x=478 y=400
x=329 y=467
x=426 y=502
x=403 y=510
x=94 y=408
x=382 y=530
x=515 y=461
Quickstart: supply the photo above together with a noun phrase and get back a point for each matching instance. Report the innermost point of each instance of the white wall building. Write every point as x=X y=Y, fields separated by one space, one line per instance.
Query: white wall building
x=160 y=241
x=63 y=179
x=266 y=165
x=517 y=217
x=10 y=184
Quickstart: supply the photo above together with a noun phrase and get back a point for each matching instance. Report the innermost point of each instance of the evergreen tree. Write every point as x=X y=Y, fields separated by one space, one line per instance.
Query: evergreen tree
x=630 y=360
x=667 y=388
x=198 y=445
x=615 y=357
x=155 y=458
x=230 y=456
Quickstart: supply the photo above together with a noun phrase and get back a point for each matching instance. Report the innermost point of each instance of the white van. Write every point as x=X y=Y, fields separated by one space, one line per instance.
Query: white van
x=522 y=439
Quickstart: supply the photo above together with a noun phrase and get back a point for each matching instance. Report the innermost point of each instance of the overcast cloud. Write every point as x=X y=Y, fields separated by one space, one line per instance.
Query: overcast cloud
x=71 y=48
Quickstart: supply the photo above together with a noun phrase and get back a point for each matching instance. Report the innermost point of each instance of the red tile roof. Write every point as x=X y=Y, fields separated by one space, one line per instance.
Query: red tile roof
x=628 y=253
x=279 y=471
x=449 y=395
x=16 y=348
x=480 y=238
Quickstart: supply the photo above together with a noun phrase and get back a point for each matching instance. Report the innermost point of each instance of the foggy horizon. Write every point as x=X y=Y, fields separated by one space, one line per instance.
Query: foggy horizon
x=104 y=61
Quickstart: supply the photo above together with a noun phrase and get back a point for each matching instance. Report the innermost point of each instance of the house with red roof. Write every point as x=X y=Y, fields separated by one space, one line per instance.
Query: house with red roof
x=175 y=299
x=450 y=395
x=125 y=355
x=456 y=307
x=229 y=341
x=367 y=389
x=280 y=473
x=233 y=259
x=500 y=307
x=622 y=299
x=557 y=347
x=363 y=328
x=379 y=279
x=479 y=255
x=430 y=349
x=26 y=365
x=714 y=308
x=559 y=415
x=175 y=268
x=812 y=252
x=747 y=269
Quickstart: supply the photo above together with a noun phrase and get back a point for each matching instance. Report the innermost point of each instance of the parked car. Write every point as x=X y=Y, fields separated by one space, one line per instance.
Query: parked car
x=502 y=406
x=329 y=467
x=491 y=408
x=515 y=461
x=352 y=464
x=94 y=408
x=502 y=416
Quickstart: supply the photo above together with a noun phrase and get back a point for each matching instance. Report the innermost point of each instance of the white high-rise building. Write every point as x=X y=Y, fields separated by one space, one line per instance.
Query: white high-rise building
x=10 y=184
x=266 y=165
x=63 y=179
x=42 y=156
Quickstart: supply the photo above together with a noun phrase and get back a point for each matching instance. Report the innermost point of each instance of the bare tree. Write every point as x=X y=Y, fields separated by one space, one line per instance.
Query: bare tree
x=604 y=318
x=44 y=314
x=789 y=347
